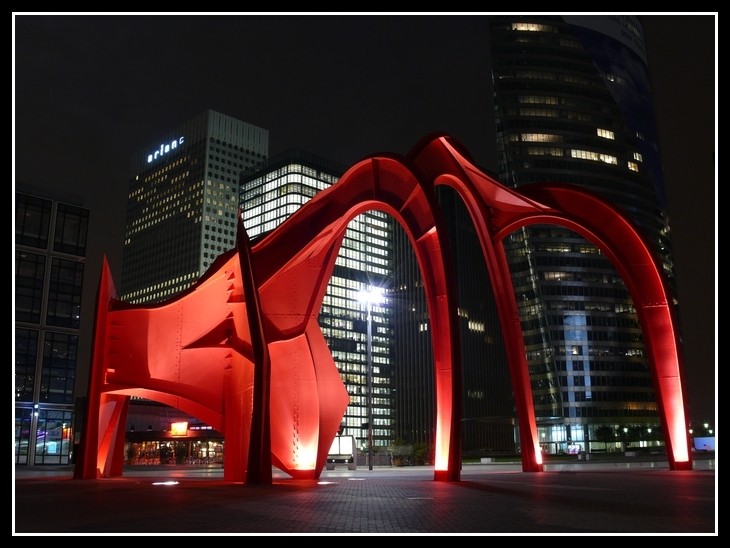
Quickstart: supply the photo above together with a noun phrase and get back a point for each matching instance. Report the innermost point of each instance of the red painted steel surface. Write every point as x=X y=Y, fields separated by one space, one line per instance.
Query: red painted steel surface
x=497 y=211
x=242 y=350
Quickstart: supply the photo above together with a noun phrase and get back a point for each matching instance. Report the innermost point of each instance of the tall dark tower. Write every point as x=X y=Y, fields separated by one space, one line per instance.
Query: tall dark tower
x=182 y=203
x=573 y=104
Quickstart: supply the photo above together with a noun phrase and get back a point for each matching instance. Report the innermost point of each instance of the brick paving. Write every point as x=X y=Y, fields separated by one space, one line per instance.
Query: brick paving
x=489 y=499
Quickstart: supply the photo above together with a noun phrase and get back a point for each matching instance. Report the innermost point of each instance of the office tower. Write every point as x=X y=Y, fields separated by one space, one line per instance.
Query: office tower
x=183 y=201
x=50 y=250
x=269 y=195
x=573 y=104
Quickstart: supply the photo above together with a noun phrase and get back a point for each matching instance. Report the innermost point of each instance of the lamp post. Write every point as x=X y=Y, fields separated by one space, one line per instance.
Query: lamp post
x=370 y=384
x=369 y=296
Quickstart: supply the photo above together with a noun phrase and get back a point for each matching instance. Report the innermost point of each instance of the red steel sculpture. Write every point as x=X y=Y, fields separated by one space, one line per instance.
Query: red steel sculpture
x=241 y=349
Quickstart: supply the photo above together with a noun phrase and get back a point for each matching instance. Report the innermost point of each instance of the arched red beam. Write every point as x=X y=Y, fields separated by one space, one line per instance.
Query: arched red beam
x=440 y=163
x=497 y=211
x=199 y=350
x=179 y=352
x=297 y=260
x=633 y=258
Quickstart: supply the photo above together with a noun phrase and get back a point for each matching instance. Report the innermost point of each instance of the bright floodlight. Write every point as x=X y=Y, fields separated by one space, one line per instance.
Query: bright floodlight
x=373 y=295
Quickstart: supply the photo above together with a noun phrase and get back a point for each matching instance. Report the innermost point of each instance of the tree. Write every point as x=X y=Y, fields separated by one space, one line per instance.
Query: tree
x=401 y=452
x=605 y=434
x=420 y=453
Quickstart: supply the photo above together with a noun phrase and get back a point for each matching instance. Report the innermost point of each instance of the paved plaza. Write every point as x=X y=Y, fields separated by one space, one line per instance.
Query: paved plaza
x=566 y=499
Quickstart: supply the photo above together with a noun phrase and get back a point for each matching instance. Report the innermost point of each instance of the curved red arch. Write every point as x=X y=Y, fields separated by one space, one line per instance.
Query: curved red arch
x=497 y=211
x=255 y=311
x=243 y=350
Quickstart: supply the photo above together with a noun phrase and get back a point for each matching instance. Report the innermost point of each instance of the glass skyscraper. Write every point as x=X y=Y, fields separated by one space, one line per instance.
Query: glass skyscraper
x=183 y=202
x=573 y=104
x=269 y=195
x=50 y=251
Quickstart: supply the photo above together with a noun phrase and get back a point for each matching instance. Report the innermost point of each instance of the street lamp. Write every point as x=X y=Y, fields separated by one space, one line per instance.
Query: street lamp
x=370 y=296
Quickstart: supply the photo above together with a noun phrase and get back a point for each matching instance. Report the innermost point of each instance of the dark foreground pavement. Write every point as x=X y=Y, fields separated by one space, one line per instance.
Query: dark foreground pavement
x=489 y=499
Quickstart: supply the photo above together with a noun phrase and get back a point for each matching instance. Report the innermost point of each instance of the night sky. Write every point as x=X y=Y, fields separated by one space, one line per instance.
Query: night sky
x=90 y=90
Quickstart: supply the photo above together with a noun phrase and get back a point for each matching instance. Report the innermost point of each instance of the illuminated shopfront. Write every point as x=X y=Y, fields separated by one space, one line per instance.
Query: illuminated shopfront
x=198 y=446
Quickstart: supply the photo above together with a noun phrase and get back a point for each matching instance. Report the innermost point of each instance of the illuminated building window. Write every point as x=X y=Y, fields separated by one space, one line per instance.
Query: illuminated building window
x=537 y=100
x=558 y=276
x=633 y=166
x=638 y=157
x=594 y=156
x=557 y=248
x=606 y=134
x=541 y=137
x=476 y=326
x=533 y=27
x=588 y=249
x=608 y=159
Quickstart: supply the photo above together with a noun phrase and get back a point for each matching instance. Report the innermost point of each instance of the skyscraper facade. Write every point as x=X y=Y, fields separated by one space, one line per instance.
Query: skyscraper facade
x=269 y=195
x=50 y=251
x=183 y=201
x=573 y=104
